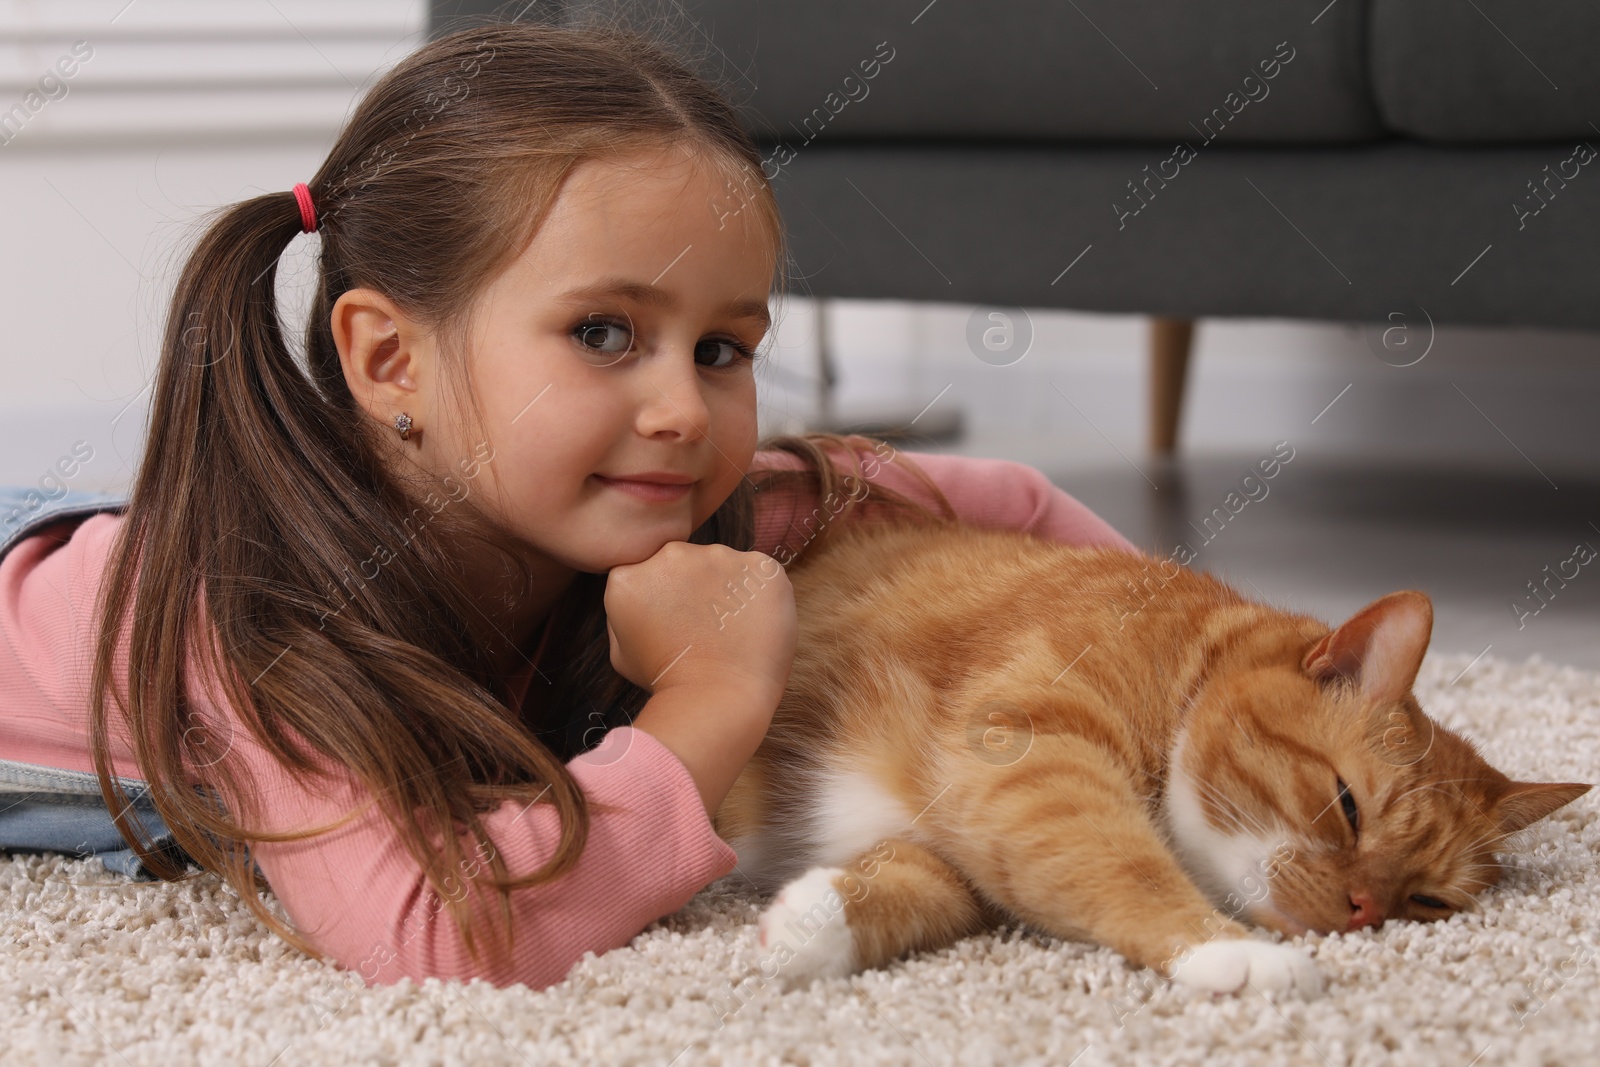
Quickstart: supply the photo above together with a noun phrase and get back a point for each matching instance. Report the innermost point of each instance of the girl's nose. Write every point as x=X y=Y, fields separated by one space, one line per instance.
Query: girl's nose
x=672 y=399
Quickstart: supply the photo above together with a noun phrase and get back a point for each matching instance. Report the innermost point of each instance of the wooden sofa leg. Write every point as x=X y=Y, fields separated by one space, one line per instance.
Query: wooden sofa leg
x=1170 y=342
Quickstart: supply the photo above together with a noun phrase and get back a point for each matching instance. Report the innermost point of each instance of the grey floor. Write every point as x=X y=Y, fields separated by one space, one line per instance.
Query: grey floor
x=1331 y=536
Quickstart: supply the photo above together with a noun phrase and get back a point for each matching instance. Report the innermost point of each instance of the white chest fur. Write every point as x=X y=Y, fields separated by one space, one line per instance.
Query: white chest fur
x=849 y=813
x=1228 y=864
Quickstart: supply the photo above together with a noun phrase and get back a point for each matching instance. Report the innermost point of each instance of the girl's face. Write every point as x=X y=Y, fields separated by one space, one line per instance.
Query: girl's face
x=618 y=345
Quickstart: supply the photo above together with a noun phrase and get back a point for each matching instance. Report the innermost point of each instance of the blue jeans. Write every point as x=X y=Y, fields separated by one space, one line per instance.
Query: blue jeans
x=50 y=809
x=47 y=809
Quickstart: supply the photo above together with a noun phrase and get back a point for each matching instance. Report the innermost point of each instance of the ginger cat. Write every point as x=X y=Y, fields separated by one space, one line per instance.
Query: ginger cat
x=981 y=725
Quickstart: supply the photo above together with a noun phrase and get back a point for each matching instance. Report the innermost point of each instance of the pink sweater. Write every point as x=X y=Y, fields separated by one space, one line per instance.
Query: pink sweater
x=354 y=892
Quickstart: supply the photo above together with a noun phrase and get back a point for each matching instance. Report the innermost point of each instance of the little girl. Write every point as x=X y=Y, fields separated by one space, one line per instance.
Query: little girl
x=477 y=609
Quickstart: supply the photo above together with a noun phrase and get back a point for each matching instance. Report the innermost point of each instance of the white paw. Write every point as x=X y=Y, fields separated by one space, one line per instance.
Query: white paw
x=805 y=931
x=1226 y=966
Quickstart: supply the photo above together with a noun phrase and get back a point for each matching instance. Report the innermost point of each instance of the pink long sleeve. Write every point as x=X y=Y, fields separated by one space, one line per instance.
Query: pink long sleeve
x=358 y=895
x=995 y=493
x=355 y=892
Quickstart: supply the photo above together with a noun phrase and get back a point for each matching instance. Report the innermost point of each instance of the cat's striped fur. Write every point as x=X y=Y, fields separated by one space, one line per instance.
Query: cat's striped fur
x=981 y=725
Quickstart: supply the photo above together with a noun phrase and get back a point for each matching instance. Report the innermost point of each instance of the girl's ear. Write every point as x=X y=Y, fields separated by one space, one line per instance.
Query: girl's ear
x=380 y=351
x=1380 y=647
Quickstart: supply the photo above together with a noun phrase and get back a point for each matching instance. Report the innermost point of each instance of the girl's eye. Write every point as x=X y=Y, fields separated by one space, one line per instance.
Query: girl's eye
x=602 y=335
x=1429 y=902
x=734 y=351
x=1352 y=816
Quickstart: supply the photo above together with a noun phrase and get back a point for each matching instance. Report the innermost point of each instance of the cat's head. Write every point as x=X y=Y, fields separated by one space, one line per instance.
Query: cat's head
x=1310 y=791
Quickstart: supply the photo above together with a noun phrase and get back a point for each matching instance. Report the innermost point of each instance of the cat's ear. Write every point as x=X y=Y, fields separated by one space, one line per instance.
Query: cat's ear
x=1524 y=803
x=1380 y=647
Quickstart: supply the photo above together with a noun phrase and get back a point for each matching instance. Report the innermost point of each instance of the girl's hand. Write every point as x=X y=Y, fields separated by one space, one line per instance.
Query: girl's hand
x=711 y=632
x=704 y=616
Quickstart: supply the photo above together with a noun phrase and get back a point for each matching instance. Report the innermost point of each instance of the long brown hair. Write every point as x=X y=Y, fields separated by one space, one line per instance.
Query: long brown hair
x=264 y=481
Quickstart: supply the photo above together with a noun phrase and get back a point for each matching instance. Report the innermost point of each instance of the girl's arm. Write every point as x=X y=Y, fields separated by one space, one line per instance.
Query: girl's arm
x=355 y=892
x=984 y=492
x=359 y=896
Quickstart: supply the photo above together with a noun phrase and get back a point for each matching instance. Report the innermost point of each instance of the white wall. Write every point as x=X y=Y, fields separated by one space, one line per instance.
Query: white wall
x=185 y=106
x=180 y=106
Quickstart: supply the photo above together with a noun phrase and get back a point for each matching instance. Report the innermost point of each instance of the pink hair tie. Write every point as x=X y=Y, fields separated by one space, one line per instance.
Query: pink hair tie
x=308 y=211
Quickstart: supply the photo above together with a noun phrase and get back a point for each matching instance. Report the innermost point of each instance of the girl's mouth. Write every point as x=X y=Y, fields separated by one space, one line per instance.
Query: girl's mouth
x=656 y=491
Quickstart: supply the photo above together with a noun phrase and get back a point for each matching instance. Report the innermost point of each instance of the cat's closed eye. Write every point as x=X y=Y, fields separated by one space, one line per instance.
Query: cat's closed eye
x=1429 y=902
x=1352 y=816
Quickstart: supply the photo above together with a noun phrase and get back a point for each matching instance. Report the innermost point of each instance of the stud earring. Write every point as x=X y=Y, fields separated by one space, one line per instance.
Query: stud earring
x=402 y=422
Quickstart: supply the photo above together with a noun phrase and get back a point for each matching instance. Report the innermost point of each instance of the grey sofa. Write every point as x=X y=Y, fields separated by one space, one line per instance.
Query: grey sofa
x=1352 y=160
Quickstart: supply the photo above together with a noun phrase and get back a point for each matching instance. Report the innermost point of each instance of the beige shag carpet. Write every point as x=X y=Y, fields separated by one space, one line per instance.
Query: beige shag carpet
x=100 y=969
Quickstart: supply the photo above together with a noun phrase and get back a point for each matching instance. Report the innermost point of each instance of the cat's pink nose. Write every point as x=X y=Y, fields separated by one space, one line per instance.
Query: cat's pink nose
x=1364 y=911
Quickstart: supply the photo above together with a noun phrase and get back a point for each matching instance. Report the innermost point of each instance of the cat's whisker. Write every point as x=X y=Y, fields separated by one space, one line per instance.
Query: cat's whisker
x=1503 y=867
x=1243 y=820
x=1490 y=838
x=1230 y=810
x=1212 y=791
x=1434 y=787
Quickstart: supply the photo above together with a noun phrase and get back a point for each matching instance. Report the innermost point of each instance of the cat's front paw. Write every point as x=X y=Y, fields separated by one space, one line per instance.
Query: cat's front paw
x=1229 y=965
x=808 y=918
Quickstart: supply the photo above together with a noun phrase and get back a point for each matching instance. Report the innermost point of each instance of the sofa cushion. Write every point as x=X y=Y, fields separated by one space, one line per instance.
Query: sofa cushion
x=1240 y=71
x=1357 y=233
x=1488 y=70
